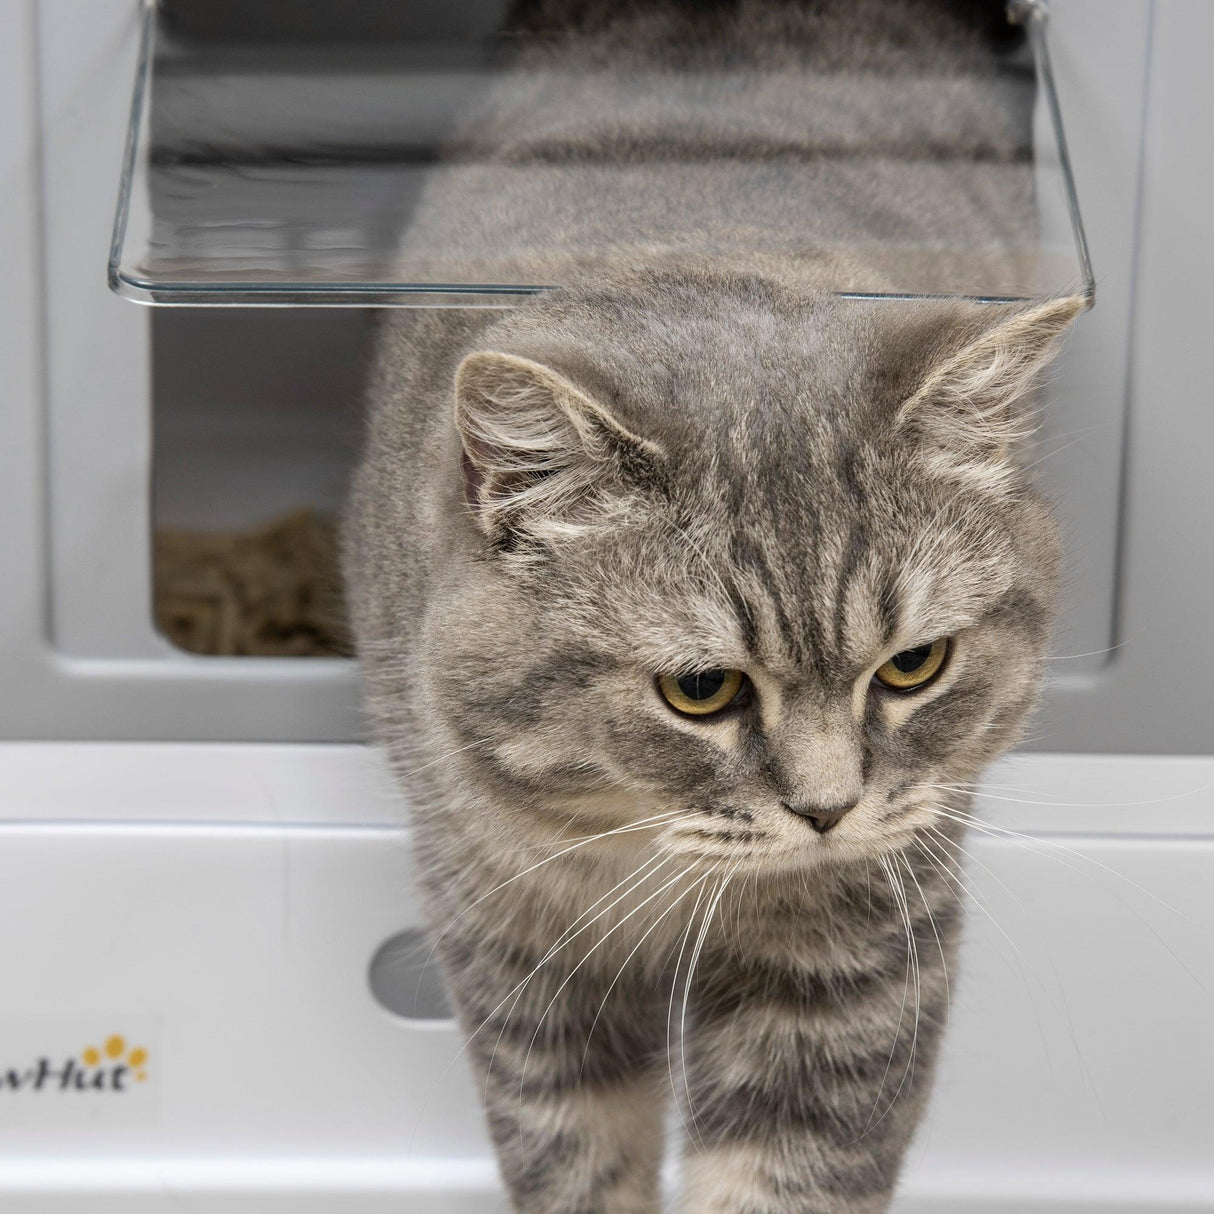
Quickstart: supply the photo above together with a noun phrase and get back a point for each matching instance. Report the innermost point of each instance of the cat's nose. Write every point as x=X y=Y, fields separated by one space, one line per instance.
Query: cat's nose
x=821 y=817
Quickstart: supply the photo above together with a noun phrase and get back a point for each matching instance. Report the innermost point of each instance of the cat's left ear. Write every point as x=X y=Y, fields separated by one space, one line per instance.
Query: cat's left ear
x=968 y=411
x=540 y=454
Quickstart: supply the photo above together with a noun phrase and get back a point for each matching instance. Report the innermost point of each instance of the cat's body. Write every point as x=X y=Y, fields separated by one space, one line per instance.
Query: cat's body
x=655 y=472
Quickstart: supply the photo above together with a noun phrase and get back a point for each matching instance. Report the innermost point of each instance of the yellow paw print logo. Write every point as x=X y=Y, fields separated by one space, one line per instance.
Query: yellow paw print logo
x=115 y=1050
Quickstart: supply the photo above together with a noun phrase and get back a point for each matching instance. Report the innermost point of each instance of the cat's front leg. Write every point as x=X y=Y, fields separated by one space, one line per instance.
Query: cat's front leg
x=572 y=1077
x=806 y=1077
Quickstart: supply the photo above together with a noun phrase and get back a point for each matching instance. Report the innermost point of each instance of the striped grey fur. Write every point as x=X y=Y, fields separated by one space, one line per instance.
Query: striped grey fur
x=662 y=469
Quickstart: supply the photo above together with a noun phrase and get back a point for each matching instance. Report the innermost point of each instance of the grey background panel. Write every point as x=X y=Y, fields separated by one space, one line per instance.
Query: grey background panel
x=1156 y=693
x=78 y=655
x=1084 y=401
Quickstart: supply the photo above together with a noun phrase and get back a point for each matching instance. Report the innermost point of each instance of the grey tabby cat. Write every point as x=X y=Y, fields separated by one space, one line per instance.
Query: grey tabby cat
x=691 y=599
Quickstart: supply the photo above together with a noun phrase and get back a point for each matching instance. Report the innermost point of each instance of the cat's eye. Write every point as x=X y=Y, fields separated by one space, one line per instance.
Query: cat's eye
x=913 y=668
x=703 y=693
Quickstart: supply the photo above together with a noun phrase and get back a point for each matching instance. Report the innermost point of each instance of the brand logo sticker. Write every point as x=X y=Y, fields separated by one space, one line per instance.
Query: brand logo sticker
x=52 y=1073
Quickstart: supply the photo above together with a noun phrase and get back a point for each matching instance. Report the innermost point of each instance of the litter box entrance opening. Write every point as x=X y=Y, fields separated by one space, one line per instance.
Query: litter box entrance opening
x=255 y=431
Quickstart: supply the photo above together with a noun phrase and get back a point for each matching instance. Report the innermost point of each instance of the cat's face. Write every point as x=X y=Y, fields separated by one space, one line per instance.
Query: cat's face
x=759 y=573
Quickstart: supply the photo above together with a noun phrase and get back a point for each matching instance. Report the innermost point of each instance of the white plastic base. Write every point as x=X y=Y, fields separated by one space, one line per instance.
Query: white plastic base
x=1077 y=1076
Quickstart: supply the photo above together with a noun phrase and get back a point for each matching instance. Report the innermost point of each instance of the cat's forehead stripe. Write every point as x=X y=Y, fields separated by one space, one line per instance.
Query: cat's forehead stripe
x=851 y=607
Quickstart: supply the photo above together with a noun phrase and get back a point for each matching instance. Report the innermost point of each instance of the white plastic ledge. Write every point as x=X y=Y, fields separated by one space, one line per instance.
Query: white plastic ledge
x=368 y=1185
x=304 y=784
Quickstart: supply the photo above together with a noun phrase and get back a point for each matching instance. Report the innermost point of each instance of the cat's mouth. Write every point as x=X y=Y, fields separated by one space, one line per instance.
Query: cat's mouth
x=782 y=841
x=747 y=843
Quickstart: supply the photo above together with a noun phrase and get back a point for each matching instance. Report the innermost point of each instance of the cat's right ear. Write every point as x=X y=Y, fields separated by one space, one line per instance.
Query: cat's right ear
x=968 y=414
x=540 y=455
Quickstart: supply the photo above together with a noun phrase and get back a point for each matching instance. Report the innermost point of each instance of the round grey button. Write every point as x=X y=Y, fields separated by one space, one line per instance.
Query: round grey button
x=406 y=980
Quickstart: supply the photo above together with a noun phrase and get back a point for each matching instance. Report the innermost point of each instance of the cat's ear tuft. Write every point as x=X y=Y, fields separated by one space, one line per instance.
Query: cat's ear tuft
x=539 y=453
x=969 y=410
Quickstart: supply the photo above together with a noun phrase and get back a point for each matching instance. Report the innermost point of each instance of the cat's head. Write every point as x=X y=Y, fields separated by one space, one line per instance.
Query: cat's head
x=760 y=560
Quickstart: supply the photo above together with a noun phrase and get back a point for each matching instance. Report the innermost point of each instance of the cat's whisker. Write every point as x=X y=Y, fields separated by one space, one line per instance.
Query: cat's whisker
x=714 y=901
x=1091 y=653
x=644 y=824
x=699 y=881
x=586 y=957
x=887 y=869
x=980 y=789
x=1042 y=847
x=1058 y=450
x=1047 y=847
x=633 y=880
x=962 y=886
x=917 y=979
x=674 y=980
x=566 y=937
x=1071 y=437
x=965 y=884
x=931 y=918
x=692 y=1129
x=749 y=881
x=868 y=886
x=443 y=758
x=1018 y=956
x=657 y=820
x=515 y=991
x=945 y=862
x=973 y=859
x=958 y=891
